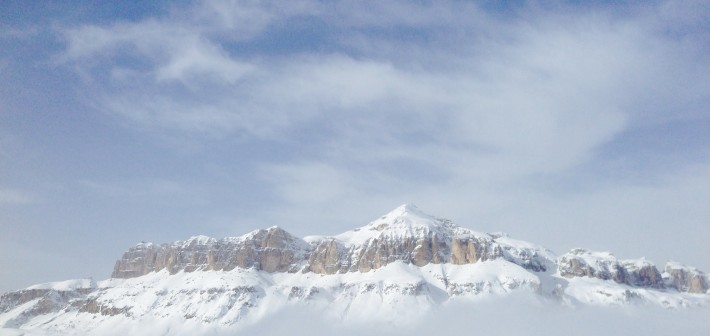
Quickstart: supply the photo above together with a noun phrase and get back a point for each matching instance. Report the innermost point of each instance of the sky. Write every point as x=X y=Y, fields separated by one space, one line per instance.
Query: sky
x=564 y=124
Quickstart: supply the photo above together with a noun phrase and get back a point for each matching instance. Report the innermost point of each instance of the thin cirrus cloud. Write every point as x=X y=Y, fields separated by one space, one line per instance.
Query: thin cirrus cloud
x=520 y=94
x=448 y=103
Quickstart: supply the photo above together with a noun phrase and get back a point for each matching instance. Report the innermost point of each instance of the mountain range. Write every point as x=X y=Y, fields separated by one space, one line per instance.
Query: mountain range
x=397 y=268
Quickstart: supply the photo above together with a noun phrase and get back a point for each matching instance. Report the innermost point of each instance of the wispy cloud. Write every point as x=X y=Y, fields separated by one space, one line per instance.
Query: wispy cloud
x=557 y=84
x=474 y=111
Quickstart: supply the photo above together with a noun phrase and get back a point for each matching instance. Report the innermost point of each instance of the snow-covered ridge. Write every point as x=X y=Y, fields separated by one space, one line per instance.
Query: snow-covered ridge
x=271 y=249
x=66 y=285
x=401 y=265
x=405 y=234
x=202 y=302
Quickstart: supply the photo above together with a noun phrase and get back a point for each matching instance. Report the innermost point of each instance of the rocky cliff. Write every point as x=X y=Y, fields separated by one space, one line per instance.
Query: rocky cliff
x=271 y=250
x=405 y=234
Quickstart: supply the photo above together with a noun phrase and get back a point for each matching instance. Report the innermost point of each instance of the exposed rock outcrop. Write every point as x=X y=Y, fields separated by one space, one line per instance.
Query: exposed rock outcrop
x=605 y=266
x=686 y=279
x=45 y=301
x=405 y=234
x=271 y=250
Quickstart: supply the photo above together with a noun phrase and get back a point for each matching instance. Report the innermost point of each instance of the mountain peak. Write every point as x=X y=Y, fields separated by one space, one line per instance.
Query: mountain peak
x=411 y=214
x=406 y=216
x=405 y=208
x=406 y=220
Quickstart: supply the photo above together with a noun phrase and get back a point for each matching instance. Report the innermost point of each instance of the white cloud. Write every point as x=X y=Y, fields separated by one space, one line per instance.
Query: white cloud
x=199 y=58
x=542 y=94
x=446 y=105
x=177 y=53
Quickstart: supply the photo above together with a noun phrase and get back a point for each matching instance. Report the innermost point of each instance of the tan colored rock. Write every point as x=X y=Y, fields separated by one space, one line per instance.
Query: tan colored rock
x=463 y=251
x=325 y=258
x=570 y=266
x=422 y=253
x=686 y=279
x=697 y=284
x=272 y=250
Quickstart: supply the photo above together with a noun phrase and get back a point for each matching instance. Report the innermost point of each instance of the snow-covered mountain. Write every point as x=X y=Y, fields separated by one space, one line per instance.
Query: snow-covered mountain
x=396 y=268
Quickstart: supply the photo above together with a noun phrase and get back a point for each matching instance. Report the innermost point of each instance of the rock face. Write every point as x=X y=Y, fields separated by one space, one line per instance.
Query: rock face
x=605 y=266
x=330 y=256
x=685 y=279
x=405 y=234
x=271 y=250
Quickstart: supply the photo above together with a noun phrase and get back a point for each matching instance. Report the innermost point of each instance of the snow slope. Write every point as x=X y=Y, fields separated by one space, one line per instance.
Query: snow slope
x=190 y=294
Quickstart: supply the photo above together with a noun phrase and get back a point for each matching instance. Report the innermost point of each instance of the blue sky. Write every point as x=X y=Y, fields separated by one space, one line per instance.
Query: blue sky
x=569 y=125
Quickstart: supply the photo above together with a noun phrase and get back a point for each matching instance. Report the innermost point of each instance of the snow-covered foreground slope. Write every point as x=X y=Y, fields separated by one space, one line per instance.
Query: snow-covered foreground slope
x=395 y=272
x=396 y=296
